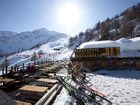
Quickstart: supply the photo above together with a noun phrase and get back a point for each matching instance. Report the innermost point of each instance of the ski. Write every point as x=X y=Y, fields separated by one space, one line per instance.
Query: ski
x=70 y=91
x=102 y=96
x=90 y=91
x=84 y=97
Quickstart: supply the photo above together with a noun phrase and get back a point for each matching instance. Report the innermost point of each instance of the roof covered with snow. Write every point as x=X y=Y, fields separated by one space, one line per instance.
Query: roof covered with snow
x=128 y=47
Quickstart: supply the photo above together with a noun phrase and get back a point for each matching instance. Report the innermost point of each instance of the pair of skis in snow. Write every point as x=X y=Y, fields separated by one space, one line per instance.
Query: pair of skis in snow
x=83 y=94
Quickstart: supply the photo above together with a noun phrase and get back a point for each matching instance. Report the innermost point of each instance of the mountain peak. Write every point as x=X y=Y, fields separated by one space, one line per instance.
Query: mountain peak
x=41 y=29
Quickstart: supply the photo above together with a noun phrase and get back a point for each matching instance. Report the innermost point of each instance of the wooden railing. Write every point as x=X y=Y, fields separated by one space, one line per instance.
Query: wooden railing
x=4 y=69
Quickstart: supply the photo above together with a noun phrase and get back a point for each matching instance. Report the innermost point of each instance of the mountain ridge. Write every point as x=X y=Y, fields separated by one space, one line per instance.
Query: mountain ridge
x=12 y=42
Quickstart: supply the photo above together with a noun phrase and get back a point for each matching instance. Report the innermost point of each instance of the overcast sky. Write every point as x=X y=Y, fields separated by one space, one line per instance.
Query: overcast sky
x=28 y=15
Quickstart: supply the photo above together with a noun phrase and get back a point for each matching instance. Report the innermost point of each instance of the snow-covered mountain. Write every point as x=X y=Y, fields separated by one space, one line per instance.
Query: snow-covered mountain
x=11 y=42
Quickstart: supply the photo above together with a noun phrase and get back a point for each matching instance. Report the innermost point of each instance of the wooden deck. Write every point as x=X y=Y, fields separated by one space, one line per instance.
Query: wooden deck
x=37 y=86
x=5 y=99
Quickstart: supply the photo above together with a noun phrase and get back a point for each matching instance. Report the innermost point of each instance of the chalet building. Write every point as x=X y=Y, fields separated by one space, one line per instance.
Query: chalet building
x=105 y=58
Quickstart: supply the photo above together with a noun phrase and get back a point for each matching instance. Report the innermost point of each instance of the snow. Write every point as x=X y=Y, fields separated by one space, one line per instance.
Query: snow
x=49 y=53
x=99 y=44
x=64 y=56
x=121 y=87
x=64 y=99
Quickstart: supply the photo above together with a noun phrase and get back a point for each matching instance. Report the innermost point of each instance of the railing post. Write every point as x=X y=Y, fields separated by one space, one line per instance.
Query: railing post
x=12 y=68
x=15 y=68
x=2 y=70
x=23 y=66
x=29 y=67
x=6 y=68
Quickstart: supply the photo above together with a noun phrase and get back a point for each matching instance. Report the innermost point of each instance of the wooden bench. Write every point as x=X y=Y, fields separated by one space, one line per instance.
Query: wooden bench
x=22 y=103
x=33 y=91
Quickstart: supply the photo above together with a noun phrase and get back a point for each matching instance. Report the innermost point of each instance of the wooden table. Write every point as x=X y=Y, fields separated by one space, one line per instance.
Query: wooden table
x=6 y=80
x=30 y=88
x=53 y=81
x=32 y=92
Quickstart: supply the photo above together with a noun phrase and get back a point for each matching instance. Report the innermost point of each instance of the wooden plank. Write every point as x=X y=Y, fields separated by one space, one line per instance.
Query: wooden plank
x=33 y=88
x=22 y=103
x=47 y=80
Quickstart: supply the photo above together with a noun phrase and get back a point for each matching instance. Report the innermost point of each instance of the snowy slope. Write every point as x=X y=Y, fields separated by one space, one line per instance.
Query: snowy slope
x=14 y=42
x=55 y=50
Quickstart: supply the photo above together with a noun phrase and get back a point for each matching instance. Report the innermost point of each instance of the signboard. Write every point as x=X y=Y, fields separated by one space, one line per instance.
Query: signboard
x=97 y=52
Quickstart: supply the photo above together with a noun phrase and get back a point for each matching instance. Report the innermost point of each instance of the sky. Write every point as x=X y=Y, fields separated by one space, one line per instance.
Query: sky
x=65 y=16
